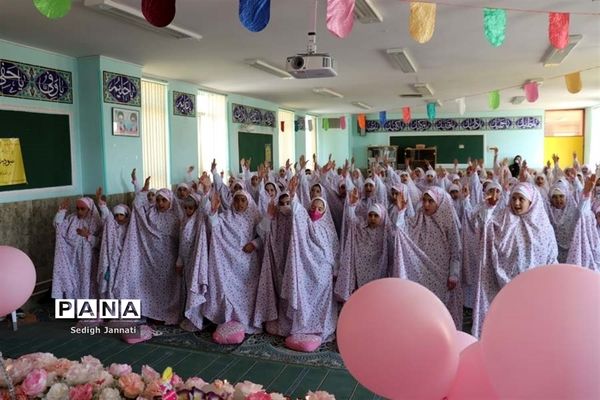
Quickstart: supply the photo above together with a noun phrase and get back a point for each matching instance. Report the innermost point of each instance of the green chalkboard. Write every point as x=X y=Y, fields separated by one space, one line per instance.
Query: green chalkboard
x=256 y=146
x=45 y=146
x=448 y=147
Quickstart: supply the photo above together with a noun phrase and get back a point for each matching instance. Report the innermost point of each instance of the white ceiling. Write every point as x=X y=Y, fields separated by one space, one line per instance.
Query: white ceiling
x=458 y=61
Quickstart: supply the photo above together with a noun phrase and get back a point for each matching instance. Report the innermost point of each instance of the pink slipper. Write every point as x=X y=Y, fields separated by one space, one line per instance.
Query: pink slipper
x=303 y=342
x=231 y=332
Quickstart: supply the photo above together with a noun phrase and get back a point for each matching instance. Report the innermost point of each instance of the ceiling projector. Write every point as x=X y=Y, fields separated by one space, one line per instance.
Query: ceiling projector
x=311 y=64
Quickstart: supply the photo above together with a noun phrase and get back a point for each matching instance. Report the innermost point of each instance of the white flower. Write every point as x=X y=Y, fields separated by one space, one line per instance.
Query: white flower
x=222 y=388
x=194 y=382
x=58 y=391
x=40 y=360
x=110 y=394
x=119 y=369
x=244 y=389
x=79 y=374
x=17 y=370
x=93 y=361
x=104 y=379
x=319 y=395
x=277 y=396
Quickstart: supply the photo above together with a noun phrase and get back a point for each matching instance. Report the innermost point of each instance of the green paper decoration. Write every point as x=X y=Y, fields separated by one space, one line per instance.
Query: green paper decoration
x=431 y=111
x=494 y=25
x=53 y=9
x=494 y=99
x=325 y=124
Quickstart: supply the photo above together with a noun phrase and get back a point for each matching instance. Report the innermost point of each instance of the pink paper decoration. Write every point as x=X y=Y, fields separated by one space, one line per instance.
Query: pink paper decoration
x=406 y=117
x=340 y=17
x=342 y=122
x=558 y=29
x=159 y=13
x=531 y=91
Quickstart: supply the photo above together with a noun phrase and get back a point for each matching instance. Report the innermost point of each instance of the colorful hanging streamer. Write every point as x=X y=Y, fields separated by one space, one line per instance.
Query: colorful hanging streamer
x=558 y=29
x=159 y=13
x=342 y=122
x=431 y=111
x=255 y=14
x=362 y=121
x=325 y=124
x=53 y=9
x=382 y=118
x=531 y=91
x=494 y=99
x=340 y=17
x=421 y=22
x=406 y=115
x=573 y=82
x=310 y=124
x=462 y=106
x=494 y=25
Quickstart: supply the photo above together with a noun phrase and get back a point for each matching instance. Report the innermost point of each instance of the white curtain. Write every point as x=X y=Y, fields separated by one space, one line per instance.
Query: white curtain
x=213 y=142
x=594 y=138
x=155 y=134
x=311 y=139
x=287 y=144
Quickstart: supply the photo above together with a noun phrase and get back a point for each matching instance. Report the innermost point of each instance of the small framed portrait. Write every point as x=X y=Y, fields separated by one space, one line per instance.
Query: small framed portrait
x=125 y=122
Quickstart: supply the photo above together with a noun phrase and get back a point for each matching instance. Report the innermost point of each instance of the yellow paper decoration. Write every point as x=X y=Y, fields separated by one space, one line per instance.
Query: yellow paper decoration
x=573 y=82
x=12 y=169
x=421 y=22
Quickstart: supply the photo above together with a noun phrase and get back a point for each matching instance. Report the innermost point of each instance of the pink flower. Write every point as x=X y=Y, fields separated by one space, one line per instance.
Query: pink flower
x=93 y=361
x=61 y=366
x=319 y=395
x=152 y=389
x=104 y=379
x=246 y=388
x=222 y=388
x=118 y=370
x=131 y=384
x=194 y=382
x=17 y=370
x=262 y=395
x=81 y=392
x=40 y=360
x=149 y=374
x=35 y=382
x=277 y=396
x=79 y=374
x=176 y=381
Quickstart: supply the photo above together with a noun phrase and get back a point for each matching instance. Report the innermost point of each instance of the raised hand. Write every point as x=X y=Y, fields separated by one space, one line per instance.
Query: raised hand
x=589 y=184
x=215 y=202
x=146 y=185
x=293 y=185
x=352 y=161
x=205 y=182
x=353 y=198
x=455 y=162
x=523 y=172
x=65 y=204
x=400 y=201
x=99 y=194
x=465 y=191
x=249 y=248
x=83 y=232
x=272 y=209
x=287 y=164
x=133 y=176
x=249 y=162
x=243 y=162
x=213 y=165
x=190 y=169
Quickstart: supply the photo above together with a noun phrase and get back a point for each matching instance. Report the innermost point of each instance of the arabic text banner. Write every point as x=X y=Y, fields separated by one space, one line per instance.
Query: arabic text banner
x=12 y=169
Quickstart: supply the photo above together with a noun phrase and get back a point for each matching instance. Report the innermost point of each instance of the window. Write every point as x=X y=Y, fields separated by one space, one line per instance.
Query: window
x=155 y=134
x=311 y=139
x=213 y=139
x=563 y=123
x=287 y=144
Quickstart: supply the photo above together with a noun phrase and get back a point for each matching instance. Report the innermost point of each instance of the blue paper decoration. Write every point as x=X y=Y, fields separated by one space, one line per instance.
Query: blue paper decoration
x=431 y=111
x=382 y=118
x=255 y=14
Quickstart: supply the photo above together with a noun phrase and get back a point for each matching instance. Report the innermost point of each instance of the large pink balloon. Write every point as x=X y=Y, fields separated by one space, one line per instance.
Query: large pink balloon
x=398 y=340
x=17 y=279
x=472 y=381
x=541 y=337
x=464 y=340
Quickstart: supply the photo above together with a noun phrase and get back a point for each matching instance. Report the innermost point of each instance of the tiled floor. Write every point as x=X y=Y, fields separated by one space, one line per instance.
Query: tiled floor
x=292 y=380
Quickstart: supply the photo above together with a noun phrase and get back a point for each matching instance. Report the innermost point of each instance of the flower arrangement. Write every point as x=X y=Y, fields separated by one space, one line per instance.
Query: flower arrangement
x=42 y=375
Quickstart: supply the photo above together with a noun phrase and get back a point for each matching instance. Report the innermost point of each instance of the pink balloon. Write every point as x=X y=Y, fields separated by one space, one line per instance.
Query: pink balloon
x=398 y=340
x=541 y=337
x=472 y=381
x=17 y=279
x=464 y=340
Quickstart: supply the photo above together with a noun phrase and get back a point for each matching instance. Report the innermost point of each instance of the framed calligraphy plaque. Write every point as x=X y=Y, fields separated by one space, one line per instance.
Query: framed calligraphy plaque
x=121 y=89
x=33 y=82
x=184 y=104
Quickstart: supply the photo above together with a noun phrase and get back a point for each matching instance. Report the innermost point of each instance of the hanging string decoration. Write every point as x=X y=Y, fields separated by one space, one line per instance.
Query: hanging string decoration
x=421 y=22
x=406 y=117
x=159 y=13
x=462 y=106
x=431 y=111
x=494 y=25
x=340 y=17
x=342 y=122
x=325 y=124
x=494 y=99
x=53 y=9
x=255 y=14
x=362 y=122
x=382 y=118
x=531 y=91
x=558 y=29
x=573 y=82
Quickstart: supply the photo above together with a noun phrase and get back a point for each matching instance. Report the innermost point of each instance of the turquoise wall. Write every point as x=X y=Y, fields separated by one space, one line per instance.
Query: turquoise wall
x=529 y=144
x=300 y=139
x=337 y=142
x=184 y=136
x=234 y=128
x=24 y=54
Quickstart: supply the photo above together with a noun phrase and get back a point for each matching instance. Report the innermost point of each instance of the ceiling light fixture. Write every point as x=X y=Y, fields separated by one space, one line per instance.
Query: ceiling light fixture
x=554 y=56
x=271 y=69
x=362 y=105
x=366 y=13
x=135 y=17
x=328 y=92
x=401 y=59
x=423 y=88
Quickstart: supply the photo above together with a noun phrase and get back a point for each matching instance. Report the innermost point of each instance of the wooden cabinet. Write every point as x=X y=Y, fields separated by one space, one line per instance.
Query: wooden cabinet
x=381 y=152
x=419 y=155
